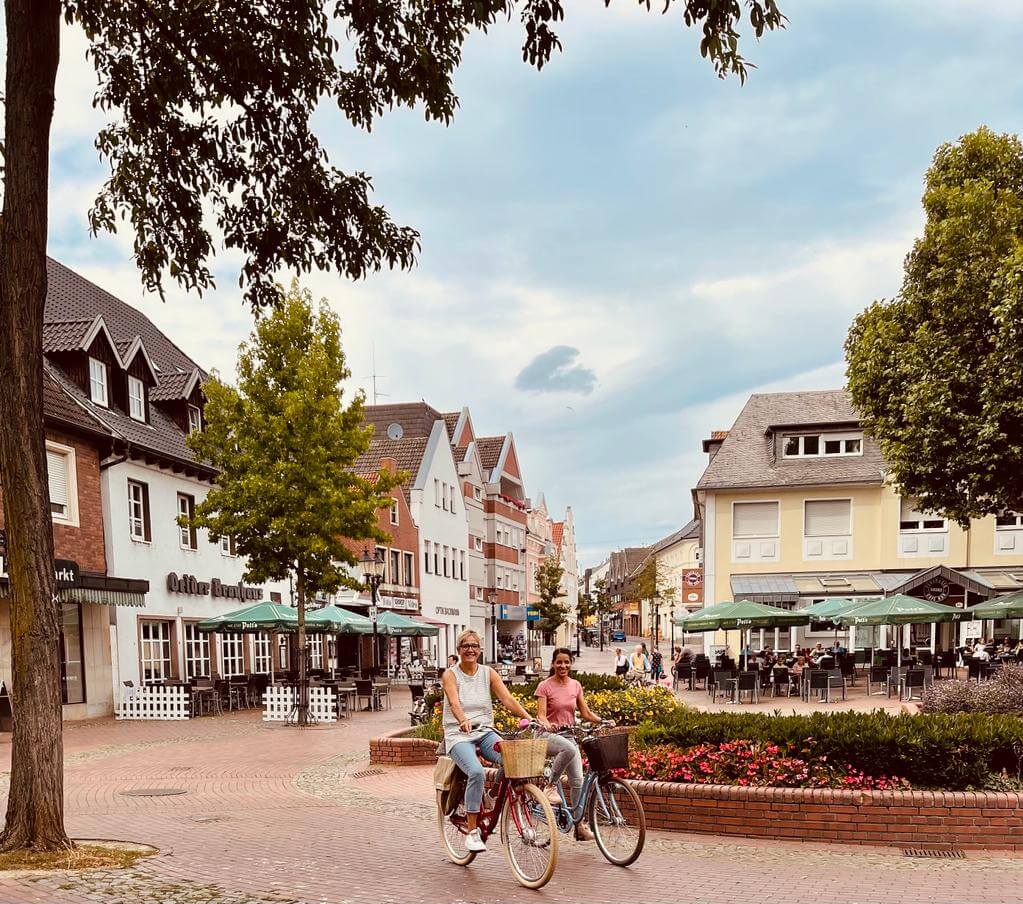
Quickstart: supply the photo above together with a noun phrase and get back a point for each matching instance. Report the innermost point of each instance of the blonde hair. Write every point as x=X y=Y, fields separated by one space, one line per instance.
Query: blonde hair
x=468 y=632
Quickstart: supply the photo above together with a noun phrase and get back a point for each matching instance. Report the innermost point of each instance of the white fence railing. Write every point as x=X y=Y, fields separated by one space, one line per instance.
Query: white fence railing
x=165 y=703
x=280 y=704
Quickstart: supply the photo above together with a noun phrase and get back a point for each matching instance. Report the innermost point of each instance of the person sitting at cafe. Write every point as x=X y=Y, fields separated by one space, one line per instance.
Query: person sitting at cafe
x=797 y=667
x=980 y=652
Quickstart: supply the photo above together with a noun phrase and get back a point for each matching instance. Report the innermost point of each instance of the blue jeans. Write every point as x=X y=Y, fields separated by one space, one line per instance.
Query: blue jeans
x=464 y=755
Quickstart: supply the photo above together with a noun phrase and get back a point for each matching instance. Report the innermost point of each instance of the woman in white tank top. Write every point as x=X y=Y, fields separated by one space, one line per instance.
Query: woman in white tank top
x=468 y=722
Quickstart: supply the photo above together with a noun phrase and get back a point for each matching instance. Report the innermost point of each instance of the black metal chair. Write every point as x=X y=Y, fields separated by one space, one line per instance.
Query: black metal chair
x=878 y=674
x=701 y=672
x=747 y=683
x=820 y=683
x=717 y=683
x=780 y=678
x=364 y=690
x=912 y=681
x=847 y=666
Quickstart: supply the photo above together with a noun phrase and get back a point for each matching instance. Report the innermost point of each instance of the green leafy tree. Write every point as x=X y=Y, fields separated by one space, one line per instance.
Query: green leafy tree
x=935 y=371
x=210 y=142
x=285 y=444
x=548 y=585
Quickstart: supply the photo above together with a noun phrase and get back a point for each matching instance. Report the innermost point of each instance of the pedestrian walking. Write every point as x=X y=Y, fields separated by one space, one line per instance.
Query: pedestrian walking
x=656 y=665
x=621 y=663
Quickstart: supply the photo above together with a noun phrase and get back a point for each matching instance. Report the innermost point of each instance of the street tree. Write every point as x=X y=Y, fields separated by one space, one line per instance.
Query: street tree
x=550 y=590
x=934 y=372
x=210 y=143
x=285 y=444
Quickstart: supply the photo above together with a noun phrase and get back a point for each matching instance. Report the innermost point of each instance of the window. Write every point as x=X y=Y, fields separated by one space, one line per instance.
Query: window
x=461 y=564
x=479 y=593
x=315 y=644
x=436 y=492
x=194 y=419
x=98 y=382
x=1006 y=520
x=395 y=566
x=913 y=517
x=827 y=518
x=445 y=561
x=262 y=648
x=394 y=512
x=275 y=597
x=138 y=511
x=197 y=652
x=500 y=580
x=477 y=494
x=186 y=532
x=453 y=494
x=156 y=650
x=233 y=654
x=72 y=666
x=477 y=543
x=63 y=485
x=754 y=519
x=381 y=554
x=227 y=547
x=445 y=493
x=426 y=556
x=136 y=399
x=436 y=558
x=813 y=445
x=410 y=571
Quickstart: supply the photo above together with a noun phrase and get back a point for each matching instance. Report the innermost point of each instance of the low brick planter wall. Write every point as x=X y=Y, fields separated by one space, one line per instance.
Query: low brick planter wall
x=398 y=750
x=940 y=820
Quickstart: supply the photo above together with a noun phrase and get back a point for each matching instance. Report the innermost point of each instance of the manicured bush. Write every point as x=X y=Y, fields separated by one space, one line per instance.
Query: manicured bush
x=1002 y=694
x=953 y=752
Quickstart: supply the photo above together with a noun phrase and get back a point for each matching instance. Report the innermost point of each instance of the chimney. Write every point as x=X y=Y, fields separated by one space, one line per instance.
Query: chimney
x=711 y=446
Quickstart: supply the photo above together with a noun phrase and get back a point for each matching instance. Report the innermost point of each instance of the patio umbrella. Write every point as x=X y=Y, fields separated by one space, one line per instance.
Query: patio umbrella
x=394 y=624
x=898 y=609
x=826 y=610
x=1008 y=606
x=340 y=621
x=253 y=620
x=741 y=614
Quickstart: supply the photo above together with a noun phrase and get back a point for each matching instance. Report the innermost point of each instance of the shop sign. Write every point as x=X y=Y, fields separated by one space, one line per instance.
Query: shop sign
x=190 y=585
x=533 y=613
x=398 y=602
x=65 y=572
x=511 y=613
x=447 y=610
x=937 y=590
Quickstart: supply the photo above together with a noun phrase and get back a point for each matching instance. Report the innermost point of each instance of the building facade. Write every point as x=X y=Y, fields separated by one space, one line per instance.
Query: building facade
x=796 y=508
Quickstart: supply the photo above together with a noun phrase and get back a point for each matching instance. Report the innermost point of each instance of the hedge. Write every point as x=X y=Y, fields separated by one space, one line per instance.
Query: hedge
x=950 y=752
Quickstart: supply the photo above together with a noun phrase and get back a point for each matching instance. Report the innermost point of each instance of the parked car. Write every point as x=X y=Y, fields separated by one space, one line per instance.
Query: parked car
x=618 y=637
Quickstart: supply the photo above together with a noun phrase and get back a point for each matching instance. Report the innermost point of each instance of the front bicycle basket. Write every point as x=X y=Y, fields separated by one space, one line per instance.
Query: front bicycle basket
x=524 y=758
x=607 y=752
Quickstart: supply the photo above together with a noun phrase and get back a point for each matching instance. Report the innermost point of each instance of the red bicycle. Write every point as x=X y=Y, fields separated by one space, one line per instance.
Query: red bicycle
x=529 y=834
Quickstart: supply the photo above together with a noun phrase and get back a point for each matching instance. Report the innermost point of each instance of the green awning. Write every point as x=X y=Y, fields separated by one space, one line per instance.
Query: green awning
x=899 y=609
x=395 y=625
x=1008 y=606
x=740 y=614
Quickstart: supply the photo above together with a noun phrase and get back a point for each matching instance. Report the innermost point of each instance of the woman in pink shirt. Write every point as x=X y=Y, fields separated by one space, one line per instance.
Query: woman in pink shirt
x=557 y=699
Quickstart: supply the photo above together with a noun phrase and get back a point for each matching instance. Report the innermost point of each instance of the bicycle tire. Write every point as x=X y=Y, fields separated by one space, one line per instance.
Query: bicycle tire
x=449 y=835
x=537 y=810
x=612 y=789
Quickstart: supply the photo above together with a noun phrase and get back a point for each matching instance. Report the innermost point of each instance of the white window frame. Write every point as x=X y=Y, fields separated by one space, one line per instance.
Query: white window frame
x=197 y=652
x=436 y=491
x=426 y=556
x=1017 y=516
x=315 y=642
x=99 y=382
x=920 y=529
x=477 y=494
x=410 y=569
x=232 y=655
x=847 y=533
x=478 y=543
x=184 y=531
x=137 y=518
x=394 y=512
x=227 y=546
x=777 y=533
x=194 y=418
x=70 y=463
x=461 y=564
x=821 y=439
x=162 y=666
x=136 y=401
x=262 y=653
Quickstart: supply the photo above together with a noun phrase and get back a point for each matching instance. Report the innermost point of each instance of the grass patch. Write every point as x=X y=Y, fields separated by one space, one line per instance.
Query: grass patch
x=90 y=855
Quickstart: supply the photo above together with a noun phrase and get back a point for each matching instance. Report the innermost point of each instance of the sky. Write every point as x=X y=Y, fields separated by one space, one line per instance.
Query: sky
x=618 y=250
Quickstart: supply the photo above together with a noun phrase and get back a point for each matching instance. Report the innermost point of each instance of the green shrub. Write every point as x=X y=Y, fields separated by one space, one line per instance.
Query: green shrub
x=1002 y=694
x=430 y=730
x=953 y=752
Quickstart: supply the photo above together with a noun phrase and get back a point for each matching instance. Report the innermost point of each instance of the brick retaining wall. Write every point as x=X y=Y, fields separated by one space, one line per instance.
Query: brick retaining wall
x=396 y=750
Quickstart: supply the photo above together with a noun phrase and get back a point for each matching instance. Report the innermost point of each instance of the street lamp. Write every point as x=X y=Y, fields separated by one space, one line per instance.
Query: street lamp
x=492 y=599
x=673 y=629
x=373 y=577
x=655 y=604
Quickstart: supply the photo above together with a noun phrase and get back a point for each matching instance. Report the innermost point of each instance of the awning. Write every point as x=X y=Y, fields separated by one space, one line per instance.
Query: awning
x=98 y=589
x=771 y=588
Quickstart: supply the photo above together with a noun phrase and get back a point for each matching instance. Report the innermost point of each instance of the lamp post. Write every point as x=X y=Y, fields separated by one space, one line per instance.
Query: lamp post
x=673 y=630
x=492 y=599
x=373 y=577
x=655 y=605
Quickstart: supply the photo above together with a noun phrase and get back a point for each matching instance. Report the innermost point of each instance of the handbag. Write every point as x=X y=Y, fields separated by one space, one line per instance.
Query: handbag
x=443 y=773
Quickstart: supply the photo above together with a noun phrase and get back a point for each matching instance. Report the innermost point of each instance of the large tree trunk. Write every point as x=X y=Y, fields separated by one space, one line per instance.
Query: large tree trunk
x=303 y=675
x=35 y=808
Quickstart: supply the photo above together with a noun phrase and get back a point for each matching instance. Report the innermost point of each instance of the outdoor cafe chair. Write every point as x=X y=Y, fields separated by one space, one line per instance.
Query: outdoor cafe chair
x=780 y=677
x=836 y=680
x=879 y=675
x=717 y=683
x=819 y=683
x=382 y=686
x=747 y=683
x=364 y=690
x=973 y=669
x=847 y=666
x=700 y=672
x=912 y=681
x=895 y=676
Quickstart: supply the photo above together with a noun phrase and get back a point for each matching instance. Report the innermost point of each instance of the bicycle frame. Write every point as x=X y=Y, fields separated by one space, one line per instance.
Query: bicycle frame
x=487 y=820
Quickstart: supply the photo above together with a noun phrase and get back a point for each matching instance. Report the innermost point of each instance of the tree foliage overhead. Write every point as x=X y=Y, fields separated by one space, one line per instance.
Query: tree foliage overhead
x=211 y=105
x=548 y=586
x=935 y=372
x=285 y=445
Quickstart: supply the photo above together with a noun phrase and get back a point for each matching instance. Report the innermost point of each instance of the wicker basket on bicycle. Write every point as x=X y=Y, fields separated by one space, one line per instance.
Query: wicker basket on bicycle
x=524 y=758
x=607 y=752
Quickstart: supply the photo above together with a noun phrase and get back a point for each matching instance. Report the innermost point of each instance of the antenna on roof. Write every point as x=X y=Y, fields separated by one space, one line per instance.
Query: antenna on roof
x=375 y=376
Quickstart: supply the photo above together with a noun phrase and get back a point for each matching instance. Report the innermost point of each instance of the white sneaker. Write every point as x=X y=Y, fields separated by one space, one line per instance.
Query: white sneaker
x=474 y=842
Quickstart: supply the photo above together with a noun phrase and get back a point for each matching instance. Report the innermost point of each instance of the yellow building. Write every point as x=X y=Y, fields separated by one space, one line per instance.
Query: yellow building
x=796 y=508
x=679 y=581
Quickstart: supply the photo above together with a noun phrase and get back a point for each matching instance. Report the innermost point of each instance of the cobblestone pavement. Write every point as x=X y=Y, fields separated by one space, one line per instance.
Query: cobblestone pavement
x=279 y=815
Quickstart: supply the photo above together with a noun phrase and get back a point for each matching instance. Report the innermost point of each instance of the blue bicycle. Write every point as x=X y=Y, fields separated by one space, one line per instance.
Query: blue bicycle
x=610 y=806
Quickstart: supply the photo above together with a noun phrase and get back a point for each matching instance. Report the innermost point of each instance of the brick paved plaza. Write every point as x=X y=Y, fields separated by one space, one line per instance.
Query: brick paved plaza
x=275 y=814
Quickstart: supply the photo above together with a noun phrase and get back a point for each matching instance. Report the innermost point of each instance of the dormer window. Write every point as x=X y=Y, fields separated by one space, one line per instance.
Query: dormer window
x=136 y=399
x=98 y=382
x=822 y=445
x=194 y=419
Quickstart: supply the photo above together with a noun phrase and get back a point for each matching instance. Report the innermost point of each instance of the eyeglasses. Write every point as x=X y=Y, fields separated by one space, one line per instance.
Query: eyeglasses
x=470 y=646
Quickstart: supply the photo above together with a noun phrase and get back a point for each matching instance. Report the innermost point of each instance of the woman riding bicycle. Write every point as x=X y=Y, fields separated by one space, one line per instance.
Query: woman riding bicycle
x=469 y=689
x=557 y=699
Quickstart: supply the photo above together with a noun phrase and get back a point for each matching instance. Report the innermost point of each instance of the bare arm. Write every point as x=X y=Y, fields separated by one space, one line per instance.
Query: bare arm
x=541 y=712
x=451 y=692
x=504 y=695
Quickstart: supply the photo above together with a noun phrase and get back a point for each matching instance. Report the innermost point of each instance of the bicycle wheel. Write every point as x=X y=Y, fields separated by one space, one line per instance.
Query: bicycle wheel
x=617 y=821
x=452 y=839
x=529 y=836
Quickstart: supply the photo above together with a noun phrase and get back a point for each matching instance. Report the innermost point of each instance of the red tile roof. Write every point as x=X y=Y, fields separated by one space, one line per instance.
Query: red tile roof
x=489 y=448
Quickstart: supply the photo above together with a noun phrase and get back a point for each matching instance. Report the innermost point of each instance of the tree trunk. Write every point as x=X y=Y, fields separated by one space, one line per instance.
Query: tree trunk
x=35 y=808
x=303 y=675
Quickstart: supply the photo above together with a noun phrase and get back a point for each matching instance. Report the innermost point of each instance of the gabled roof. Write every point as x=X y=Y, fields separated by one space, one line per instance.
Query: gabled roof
x=489 y=448
x=416 y=419
x=450 y=419
x=64 y=335
x=130 y=348
x=175 y=386
x=688 y=531
x=62 y=410
x=557 y=532
x=747 y=456
x=407 y=453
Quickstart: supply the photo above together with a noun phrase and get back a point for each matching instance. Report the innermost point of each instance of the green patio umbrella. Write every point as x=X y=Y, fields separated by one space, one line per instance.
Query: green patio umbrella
x=1008 y=606
x=394 y=624
x=253 y=620
x=340 y=621
x=898 y=609
x=825 y=610
x=743 y=615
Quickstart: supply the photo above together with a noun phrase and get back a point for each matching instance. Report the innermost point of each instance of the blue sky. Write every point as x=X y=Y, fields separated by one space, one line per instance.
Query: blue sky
x=619 y=249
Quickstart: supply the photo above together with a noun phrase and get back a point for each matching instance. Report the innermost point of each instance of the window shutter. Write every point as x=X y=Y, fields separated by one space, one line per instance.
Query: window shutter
x=56 y=468
x=755 y=519
x=827 y=518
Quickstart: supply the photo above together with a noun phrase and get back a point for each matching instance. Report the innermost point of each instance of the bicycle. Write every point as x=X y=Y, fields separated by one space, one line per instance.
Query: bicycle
x=528 y=833
x=611 y=807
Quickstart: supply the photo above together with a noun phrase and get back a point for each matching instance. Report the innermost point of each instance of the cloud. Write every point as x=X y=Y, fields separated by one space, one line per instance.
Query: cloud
x=555 y=371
